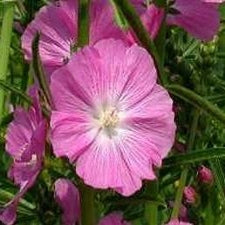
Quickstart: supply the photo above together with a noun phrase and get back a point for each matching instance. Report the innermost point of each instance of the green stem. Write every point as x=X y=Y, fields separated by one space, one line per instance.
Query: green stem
x=142 y=34
x=39 y=71
x=87 y=193
x=151 y=210
x=6 y=33
x=197 y=101
x=83 y=23
x=87 y=205
x=184 y=173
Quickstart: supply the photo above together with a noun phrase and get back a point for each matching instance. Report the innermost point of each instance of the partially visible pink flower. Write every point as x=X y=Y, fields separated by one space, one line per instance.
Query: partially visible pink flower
x=190 y=195
x=205 y=175
x=25 y=142
x=151 y=17
x=177 y=222
x=112 y=120
x=199 y=18
x=113 y=219
x=58 y=25
x=67 y=196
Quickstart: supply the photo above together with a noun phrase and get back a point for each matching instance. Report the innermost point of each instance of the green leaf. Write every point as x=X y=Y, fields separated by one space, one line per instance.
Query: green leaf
x=194 y=157
x=6 y=33
x=197 y=101
x=16 y=91
x=219 y=178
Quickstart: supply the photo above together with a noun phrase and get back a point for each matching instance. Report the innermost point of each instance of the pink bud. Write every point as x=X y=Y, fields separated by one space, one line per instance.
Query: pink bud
x=190 y=195
x=205 y=175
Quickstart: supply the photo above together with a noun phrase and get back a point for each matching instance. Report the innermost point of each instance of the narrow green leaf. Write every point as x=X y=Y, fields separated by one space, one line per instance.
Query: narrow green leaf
x=16 y=91
x=6 y=33
x=194 y=157
x=219 y=178
x=197 y=101
x=142 y=34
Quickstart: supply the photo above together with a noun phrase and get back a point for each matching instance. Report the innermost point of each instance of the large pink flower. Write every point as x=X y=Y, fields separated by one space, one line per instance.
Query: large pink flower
x=67 y=196
x=58 y=25
x=25 y=142
x=113 y=219
x=111 y=117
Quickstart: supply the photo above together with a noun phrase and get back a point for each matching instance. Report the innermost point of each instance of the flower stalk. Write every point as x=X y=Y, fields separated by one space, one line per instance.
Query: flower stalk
x=184 y=173
x=142 y=34
x=6 y=33
x=87 y=193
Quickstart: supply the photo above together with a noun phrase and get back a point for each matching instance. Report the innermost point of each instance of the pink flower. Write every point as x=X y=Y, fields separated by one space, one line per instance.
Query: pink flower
x=190 y=195
x=199 y=18
x=113 y=219
x=112 y=120
x=25 y=142
x=58 y=24
x=67 y=196
x=177 y=222
x=205 y=175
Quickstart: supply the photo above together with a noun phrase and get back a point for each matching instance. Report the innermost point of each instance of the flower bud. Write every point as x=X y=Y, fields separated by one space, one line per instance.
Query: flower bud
x=190 y=195
x=205 y=175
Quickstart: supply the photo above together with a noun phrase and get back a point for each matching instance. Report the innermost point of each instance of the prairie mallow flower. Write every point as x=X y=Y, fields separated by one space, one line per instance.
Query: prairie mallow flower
x=25 y=143
x=200 y=18
x=112 y=119
x=68 y=198
x=58 y=25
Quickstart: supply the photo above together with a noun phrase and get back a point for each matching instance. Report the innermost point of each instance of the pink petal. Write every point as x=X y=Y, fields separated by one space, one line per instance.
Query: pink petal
x=8 y=214
x=103 y=23
x=120 y=164
x=71 y=135
x=113 y=219
x=127 y=69
x=198 y=18
x=67 y=196
x=19 y=133
x=58 y=27
x=154 y=118
x=152 y=19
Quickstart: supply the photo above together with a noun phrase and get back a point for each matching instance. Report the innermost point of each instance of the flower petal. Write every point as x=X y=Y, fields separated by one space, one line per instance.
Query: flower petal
x=103 y=23
x=198 y=18
x=154 y=118
x=67 y=196
x=119 y=163
x=70 y=134
x=58 y=27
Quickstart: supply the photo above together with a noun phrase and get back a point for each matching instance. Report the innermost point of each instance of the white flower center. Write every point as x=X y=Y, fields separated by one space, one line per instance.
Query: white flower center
x=109 y=120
